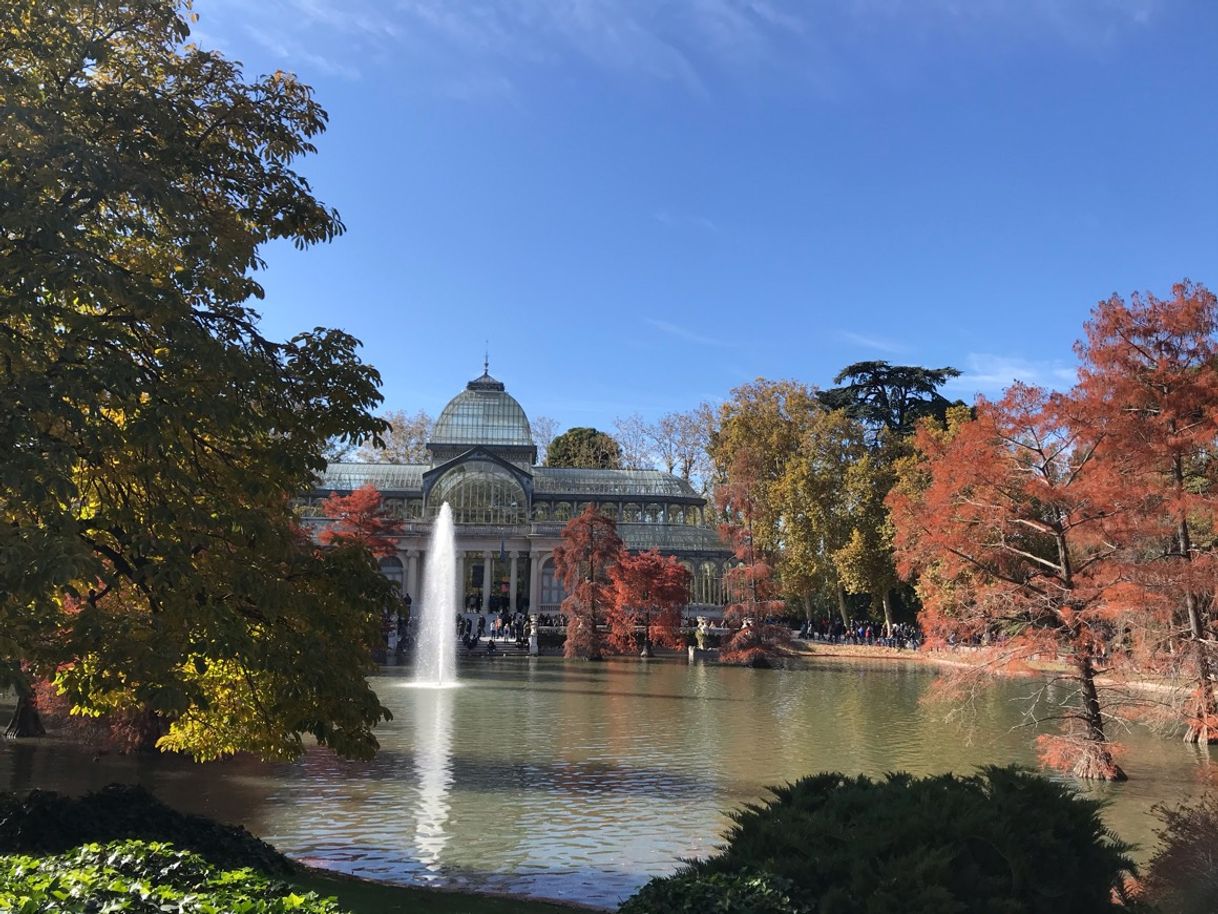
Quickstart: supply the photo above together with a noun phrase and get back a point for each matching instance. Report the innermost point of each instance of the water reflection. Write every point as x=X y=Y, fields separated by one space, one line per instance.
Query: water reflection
x=433 y=765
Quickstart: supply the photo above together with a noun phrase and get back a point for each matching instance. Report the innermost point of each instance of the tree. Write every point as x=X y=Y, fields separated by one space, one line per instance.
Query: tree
x=584 y=447
x=590 y=549
x=818 y=510
x=543 y=429
x=1148 y=384
x=1004 y=522
x=761 y=429
x=750 y=582
x=890 y=397
x=677 y=443
x=649 y=589
x=360 y=518
x=151 y=438
x=635 y=436
x=404 y=441
x=864 y=564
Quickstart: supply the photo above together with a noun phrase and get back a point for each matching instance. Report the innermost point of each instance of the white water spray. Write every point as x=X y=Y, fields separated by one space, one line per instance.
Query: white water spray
x=435 y=660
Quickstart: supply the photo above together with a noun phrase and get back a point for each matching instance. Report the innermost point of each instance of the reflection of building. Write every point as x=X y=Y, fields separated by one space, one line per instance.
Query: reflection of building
x=510 y=513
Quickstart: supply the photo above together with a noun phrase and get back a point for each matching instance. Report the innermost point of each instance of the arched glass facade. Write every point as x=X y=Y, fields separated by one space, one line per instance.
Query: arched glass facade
x=479 y=492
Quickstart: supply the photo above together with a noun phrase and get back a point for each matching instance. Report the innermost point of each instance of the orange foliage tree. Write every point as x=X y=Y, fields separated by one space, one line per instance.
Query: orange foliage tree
x=1004 y=520
x=751 y=581
x=590 y=549
x=1149 y=383
x=360 y=518
x=649 y=589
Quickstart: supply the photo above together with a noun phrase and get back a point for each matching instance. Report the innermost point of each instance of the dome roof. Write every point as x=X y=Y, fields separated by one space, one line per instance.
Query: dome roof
x=483 y=413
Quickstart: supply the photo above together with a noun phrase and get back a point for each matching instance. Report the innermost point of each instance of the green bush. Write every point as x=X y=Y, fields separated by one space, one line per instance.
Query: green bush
x=722 y=893
x=134 y=877
x=1004 y=841
x=49 y=823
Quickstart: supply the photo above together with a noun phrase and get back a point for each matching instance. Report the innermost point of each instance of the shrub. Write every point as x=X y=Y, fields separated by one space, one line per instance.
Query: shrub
x=1183 y=875
x=135 y=877
x=49 y=823
x=721 y=893
x=1002 y=841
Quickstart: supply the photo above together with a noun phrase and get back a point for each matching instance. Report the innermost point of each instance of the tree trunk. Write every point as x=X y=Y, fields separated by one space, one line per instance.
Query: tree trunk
x=1095 y=762
x=26 y=720
x=886 y=602
x=841 y=605
x=1201 y=723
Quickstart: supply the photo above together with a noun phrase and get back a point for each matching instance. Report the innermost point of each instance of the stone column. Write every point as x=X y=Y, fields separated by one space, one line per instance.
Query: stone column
x=412 y=574
x=535 y=560
x=462 y=575
x=512 y=590
x=534 y=600
x=486 y=580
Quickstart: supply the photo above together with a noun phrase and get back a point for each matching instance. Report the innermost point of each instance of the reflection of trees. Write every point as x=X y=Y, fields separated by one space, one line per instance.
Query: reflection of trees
x=233 y=791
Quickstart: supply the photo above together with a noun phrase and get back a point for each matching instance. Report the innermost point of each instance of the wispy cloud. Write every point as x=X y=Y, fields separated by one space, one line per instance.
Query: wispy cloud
x=683 y=333
x=872 y=342
x=690 y=43
x=989 y=373
x=680 y=220
x=289 y=51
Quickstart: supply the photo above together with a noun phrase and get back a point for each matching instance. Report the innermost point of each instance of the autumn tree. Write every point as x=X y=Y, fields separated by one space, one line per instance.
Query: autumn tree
x=820 y=508
x=152 y=438
x=584 y=447
x=359 y=517
x=1148 y=382
x=750 y=582
x=865 y=563
x=403 y=441
x=584 y=562
x=1004 y=521
x=761 y=428
x=649 y=590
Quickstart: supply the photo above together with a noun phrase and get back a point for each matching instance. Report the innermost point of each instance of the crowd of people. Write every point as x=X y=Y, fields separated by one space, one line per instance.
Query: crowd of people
x=834 y=631
x=475 y=627
x=498 y=626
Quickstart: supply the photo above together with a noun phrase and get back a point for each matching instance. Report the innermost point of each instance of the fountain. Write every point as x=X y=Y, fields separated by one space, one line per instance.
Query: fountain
x=436 y=656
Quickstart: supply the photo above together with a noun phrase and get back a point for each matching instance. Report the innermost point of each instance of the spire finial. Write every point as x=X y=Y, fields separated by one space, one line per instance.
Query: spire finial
x=486 y=358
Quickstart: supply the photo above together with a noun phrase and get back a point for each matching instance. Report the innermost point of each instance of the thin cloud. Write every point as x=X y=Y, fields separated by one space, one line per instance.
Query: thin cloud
x=989 y=373
x=873 y=342
x=289 y=51
x=463 y=49
x=683 y=333
x=677 y=220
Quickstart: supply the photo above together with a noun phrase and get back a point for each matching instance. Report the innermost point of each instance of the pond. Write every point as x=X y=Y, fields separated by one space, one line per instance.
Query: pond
x=580 y=781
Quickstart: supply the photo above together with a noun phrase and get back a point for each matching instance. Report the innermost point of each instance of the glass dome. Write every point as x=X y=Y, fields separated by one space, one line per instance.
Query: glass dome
x=483 y=413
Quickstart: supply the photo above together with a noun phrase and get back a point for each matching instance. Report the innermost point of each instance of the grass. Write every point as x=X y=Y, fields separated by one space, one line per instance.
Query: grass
x=363 y=897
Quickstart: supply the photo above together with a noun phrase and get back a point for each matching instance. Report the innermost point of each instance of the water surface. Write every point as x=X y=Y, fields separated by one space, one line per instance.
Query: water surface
x=580 y=781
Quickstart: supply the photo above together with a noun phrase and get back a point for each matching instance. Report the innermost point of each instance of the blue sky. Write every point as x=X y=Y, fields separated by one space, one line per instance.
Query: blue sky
x=643 y=203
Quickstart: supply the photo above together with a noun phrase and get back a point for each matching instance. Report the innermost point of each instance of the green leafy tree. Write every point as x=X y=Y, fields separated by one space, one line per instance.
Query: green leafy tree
x=890 y=398
x=151 y=437
x=584 y=447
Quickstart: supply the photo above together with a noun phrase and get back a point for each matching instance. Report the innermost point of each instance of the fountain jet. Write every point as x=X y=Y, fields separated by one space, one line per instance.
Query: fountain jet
x=435 y=661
